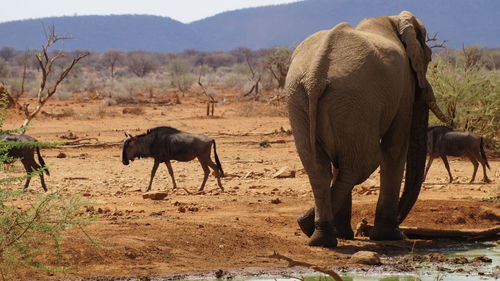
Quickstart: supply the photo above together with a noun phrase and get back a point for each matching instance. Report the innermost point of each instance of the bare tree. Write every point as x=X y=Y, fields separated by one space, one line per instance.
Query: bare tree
x=111 y=59
x=255 y=78
x=181 y=76
x=277 y=62
x=50 y=80
x=7 y=53
x=211 y=100
x=141 y=63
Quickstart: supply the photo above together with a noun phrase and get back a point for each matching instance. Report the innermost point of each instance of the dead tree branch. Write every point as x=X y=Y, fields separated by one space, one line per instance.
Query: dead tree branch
x=211 y=100
x=255 y=79
x=46 y=64
x=435 y=40
x=292 y=263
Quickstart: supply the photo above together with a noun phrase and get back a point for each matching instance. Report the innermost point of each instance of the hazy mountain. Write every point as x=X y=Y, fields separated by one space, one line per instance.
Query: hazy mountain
x=458 y=21
x=127 y=32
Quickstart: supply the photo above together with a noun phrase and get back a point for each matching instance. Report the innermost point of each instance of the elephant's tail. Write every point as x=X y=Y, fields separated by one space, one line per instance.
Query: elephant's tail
x=483 y=154
x=316 y=81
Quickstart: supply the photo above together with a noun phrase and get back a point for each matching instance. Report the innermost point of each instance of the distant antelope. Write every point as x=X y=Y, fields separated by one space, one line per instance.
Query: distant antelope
x=167 y=143
x=443 y=141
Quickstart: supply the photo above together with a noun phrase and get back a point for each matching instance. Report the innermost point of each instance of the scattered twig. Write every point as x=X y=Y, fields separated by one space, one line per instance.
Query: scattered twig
x=428 y=233
x=80 y=140
x=187 y=191
x=292 y=263
x=101 y=144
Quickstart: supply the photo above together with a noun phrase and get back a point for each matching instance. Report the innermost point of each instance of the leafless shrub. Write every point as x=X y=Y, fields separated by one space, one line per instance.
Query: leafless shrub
x=141 y=63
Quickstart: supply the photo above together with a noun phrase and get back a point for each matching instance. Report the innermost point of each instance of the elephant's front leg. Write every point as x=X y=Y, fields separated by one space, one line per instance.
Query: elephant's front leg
x=342 y=220
x=394 y=148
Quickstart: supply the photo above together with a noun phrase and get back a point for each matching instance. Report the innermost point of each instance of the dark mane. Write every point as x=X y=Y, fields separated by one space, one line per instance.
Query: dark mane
x=166 y=129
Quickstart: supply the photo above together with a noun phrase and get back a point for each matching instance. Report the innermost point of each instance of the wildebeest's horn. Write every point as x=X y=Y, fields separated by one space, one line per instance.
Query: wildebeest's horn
x=128 y=134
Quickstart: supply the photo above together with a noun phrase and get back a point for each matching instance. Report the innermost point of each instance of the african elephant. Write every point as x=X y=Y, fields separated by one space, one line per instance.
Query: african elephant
x=359 y=99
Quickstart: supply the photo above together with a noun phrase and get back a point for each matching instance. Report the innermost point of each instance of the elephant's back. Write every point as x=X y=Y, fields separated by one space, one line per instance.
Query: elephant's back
x=344 y=53
x=310 y=61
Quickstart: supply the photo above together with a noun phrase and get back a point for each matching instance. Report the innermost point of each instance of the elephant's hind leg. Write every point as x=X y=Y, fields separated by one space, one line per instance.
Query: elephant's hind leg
x=319 y=171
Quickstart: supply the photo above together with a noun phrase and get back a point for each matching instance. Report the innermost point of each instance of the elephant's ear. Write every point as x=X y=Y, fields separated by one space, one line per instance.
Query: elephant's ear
x=412 y=33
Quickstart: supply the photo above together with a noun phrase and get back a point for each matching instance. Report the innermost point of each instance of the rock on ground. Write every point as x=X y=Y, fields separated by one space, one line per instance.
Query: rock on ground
x=155 y=195
x=284 y=172
x=366 y=257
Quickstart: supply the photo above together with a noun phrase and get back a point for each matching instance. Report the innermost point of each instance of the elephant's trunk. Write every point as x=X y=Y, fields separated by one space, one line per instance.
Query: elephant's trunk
x=430 y=99
x=417 y=151
x=439 y=114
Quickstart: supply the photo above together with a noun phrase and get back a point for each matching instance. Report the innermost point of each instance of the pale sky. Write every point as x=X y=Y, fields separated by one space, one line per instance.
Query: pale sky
x=182 y=10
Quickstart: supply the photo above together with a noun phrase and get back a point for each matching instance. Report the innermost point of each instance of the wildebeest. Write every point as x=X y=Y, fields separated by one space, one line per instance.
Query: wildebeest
x=26 y=154
x=443 y=141
x=167 y=143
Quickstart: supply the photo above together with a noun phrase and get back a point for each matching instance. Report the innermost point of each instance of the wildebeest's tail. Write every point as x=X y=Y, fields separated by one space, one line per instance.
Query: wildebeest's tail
x=217 y=161
x=483 y=154
x=40 y=159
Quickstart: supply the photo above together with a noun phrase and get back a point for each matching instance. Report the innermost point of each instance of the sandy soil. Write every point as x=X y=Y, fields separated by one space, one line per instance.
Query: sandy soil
x=236 y=230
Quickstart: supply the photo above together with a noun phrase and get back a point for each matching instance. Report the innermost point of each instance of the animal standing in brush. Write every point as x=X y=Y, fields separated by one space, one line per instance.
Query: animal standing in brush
x=27 y=156
x=443 y=141
x=166 y=143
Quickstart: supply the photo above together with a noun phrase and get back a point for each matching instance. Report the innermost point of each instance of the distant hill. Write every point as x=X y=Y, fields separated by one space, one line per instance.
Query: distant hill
x=97 y=33
x=461 y=22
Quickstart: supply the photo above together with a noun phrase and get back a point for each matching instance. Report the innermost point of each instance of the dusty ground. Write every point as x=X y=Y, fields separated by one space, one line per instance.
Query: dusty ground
x=236 y=230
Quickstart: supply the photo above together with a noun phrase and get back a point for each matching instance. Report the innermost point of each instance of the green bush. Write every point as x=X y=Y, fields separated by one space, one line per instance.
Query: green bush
x=30 y=228
x=468 y=92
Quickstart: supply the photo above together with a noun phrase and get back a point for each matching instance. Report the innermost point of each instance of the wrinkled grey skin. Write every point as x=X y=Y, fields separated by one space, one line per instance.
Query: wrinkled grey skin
x=166 y=143
x=359 y=99
x=26 y=155
x=443 y=141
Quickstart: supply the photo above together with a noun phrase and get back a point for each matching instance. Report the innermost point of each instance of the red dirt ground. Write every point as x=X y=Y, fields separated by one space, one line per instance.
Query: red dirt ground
x=235 y=230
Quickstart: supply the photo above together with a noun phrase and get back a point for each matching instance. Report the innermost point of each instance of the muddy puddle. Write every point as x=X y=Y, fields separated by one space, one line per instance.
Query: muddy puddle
x=470 y=262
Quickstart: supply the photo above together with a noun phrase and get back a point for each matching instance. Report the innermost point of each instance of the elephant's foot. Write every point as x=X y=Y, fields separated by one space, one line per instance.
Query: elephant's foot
x=344 y=232
x=306 y=222
x=323 y=236
x=386 y=233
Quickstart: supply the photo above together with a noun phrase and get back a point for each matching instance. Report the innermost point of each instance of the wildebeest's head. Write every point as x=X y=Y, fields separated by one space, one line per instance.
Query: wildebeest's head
x=130 y=149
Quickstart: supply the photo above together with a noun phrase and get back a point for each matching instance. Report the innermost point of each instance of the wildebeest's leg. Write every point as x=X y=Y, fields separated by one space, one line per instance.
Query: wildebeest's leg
x=431 y=158
x=171 y=172
x=483 y=160
x=153 y=172
x=29 y=170
x=445 y=161
x=216 y=171
x=485 y=177
x=42 y=180
x=476 y=165
x=206 y=171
